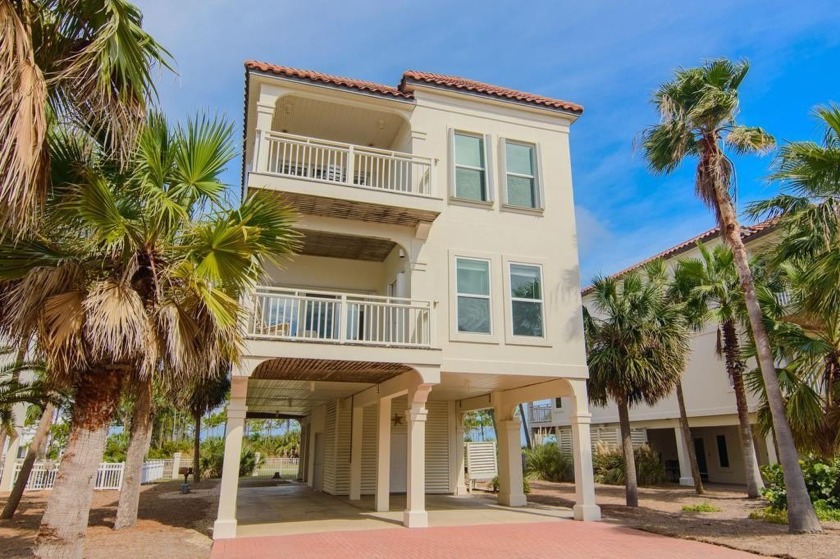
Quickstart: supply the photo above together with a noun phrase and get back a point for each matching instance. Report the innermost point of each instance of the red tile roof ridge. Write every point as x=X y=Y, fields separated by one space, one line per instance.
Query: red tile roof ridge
x=747 y=232
x=326 y=78
x=475 y=86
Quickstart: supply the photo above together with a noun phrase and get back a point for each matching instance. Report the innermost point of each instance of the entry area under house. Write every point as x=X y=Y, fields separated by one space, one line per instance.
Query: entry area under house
x=382 y=435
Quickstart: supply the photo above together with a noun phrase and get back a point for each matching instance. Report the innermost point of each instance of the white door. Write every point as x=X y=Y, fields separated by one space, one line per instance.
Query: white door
x=399 y=452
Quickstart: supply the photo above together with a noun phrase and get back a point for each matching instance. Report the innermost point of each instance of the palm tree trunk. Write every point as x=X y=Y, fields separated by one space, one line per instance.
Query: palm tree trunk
x=631 y=486
x=138 y=447
x=37 y=446
x=62 y=531
x=735 y=366
x=197 y=449
x=525 y=425
x=801 y=513
x=688 y=442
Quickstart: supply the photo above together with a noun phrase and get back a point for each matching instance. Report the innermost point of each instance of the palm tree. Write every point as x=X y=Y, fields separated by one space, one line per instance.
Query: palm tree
x=133 y=276
x=87 y=63
x=636 y=344
x=200 y=397
x=698 y=110
x=712 y=284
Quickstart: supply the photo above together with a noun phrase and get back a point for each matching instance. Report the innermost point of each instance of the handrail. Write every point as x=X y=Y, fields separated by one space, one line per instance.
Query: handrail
x=342 y=145
x=304 y=292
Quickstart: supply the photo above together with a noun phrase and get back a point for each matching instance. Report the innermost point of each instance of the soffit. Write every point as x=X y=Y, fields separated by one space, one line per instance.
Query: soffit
x=335 y=245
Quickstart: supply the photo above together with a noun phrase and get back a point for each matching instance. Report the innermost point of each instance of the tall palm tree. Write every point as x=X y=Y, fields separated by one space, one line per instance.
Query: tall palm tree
x=697 y=110
x=131 y=277
x=86 y=63
x=636 y=344
x=713 y=284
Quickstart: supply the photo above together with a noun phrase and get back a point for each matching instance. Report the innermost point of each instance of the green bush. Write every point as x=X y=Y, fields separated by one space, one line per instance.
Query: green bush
x=116 y=447
x=822 y=479
x=701 y=507
x=549 y=463
x=212 y=458
x=526 y=485
x=608 y=464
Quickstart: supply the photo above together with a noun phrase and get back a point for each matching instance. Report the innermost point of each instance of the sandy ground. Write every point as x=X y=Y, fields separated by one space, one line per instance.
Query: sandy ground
x=660 y=511
x=170 y=525
x=175 y=526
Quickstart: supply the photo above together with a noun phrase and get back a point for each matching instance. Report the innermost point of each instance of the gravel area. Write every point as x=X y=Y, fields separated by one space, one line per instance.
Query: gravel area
x=660 y=511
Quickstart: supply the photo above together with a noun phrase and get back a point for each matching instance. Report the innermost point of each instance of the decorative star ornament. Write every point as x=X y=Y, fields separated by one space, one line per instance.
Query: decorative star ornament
x=397 y=419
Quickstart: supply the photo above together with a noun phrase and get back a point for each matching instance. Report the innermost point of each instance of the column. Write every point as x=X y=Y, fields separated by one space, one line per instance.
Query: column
x=8 y=479
x=383 y=458
x=771 y=448
x=356 y=454
x=176 y=465
x=415 y=515
x=684 y=458
x=511 y=492
x=225 y=525
x=585 y=507
x=460 y=479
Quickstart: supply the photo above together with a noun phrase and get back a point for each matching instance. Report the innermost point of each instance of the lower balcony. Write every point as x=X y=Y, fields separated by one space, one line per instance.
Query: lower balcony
x=540 y=415
x=303 y=315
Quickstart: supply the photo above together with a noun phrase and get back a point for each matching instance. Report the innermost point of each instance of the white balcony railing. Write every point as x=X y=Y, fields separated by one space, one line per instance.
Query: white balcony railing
x=541 y=415
x=288 y=155
x=318 y=316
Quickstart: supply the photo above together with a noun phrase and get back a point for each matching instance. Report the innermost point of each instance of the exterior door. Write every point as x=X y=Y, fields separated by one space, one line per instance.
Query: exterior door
x=700 y=449
x=318 y=465
x=399 y=471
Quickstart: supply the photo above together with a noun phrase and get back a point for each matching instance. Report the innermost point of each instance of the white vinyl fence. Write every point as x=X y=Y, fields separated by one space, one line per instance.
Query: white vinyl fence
x=152 y=471
x=109 y=475
x=288 y=467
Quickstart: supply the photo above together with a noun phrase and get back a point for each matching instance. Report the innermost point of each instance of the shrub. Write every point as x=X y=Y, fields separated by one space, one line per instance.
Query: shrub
x=701 y=507
x=608 y=464
x=780 y=516
x=115 y=448
x=526 y=485
x=212 y=458
x=547 y=462
x=822 y=479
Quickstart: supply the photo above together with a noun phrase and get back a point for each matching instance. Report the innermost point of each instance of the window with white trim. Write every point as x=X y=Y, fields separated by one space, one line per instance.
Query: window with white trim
x=526 y=300
x=470 y=167
x=522 y=189
x=473 y=293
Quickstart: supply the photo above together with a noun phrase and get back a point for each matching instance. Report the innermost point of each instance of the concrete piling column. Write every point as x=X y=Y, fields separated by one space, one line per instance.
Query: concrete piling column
x=383 y=459
x=225 y=525
x=685 y=460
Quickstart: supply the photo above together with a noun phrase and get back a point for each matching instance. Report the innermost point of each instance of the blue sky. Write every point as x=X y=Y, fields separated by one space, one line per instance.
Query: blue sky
x=605 y=55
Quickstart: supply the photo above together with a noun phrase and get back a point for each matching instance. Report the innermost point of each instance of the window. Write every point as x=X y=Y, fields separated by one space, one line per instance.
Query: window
x=526 y=300
x=521 y=175
x=558 y=403
x=723 y=454
x=470 y=168
x=473 y=291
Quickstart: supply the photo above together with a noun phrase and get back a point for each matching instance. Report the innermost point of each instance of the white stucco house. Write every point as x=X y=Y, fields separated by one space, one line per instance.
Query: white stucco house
x=709 y=397
x=438 y=275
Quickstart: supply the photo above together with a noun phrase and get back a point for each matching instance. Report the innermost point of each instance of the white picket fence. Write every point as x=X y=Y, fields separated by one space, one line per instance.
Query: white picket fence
x=288 y=467
x=109 y=475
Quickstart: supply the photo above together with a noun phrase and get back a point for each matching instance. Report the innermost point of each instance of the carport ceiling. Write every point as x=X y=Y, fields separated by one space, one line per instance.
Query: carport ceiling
x=295 y=398
x=335 y=245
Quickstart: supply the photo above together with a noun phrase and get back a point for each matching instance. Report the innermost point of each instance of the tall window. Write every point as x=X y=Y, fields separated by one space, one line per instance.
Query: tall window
x=723 y=453
x=470 y=168
x=526 y=300
x=473 y=279
x=521 y=175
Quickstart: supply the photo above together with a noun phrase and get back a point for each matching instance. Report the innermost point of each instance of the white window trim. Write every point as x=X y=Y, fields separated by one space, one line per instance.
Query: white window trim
x=495 y=319
x=489 y=188
x=510 y=337
x=538 y=190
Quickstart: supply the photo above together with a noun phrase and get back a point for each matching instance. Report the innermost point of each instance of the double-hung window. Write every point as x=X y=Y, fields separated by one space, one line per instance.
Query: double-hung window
x=473 y=291
x=470 y=167
x=526 y=300
x=521 y=175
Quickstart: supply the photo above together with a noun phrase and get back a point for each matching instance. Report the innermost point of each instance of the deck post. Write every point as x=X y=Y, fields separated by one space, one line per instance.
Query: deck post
x=585 y=507
x=383 y=459
x=511 y=492
x=415 y=515
x=683 y=457
x=225 y=525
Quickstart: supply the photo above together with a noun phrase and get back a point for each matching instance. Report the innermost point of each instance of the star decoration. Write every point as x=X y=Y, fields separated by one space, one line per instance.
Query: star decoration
x=397 y=419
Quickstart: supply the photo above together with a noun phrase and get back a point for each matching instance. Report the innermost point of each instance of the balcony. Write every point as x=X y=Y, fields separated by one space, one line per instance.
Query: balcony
x=316 y=175
x=298 y=315
x=541 y=414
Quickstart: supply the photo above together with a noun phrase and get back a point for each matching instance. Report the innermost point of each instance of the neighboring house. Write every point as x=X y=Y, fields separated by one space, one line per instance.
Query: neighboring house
x=709 y=398
x=15 y=444
x=438 y=275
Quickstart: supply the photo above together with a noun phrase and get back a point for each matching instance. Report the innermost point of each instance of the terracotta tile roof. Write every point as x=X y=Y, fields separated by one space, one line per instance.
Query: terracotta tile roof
x=747 y=232
x=403 y=91
x=487 y=89
x=309 y=75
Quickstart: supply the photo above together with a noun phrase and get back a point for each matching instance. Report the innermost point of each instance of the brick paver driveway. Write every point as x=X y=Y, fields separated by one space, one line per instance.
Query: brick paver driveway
x=585 y=540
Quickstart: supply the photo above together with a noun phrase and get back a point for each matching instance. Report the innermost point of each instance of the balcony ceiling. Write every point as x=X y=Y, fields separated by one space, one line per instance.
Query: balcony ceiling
x=335 y=245
x=288 y=368
x=336 y=122
x=358 y=211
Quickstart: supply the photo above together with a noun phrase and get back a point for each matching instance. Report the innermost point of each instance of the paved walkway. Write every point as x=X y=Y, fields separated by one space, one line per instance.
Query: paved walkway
x=587 y=540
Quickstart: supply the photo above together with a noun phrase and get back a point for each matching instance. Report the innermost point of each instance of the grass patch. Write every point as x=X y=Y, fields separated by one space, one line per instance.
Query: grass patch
x=702 y=507
x=780 y=516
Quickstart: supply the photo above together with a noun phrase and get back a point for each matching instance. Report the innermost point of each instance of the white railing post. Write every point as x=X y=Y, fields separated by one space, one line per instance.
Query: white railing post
x=351 y=166
x=432 y=181
x=261 y=152
x=343 y=323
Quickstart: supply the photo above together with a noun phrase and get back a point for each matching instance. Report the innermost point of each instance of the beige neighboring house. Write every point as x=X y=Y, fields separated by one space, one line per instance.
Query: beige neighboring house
x=709 y=398
x=438 y=275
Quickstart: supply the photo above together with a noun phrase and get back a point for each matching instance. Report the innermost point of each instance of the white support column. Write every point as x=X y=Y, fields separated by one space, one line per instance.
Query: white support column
x=771 y=448
x=415 y=515
x=511 y=493
x=458 y=458
x=225 y=525
x=684 y=459
x=356 y=454
x=176 y=465
x=8 y=479
x=383 y=459
x=585 y=507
